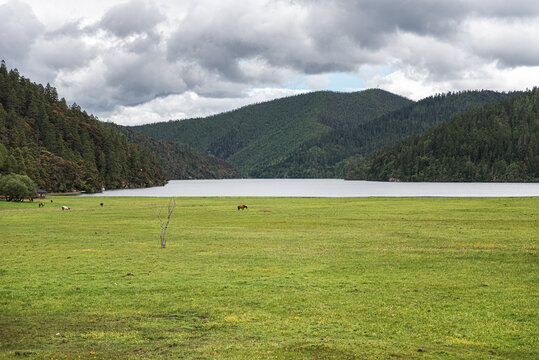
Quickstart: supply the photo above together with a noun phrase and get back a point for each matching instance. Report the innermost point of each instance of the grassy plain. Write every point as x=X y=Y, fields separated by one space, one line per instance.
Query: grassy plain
x=289 y=278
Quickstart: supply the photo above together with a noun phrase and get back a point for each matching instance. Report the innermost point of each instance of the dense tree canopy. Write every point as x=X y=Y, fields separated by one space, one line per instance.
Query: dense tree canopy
x=62 y=148
x=180 y=161
x=315 y=135
x=256 y=136
x=328 y=155
x=497 y=142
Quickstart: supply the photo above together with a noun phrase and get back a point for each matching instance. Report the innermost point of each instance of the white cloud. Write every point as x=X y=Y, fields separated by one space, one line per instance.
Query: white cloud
x=191 y=105
x=512 y=42
x=318 y=82
x=416 y=85
x=150 y=60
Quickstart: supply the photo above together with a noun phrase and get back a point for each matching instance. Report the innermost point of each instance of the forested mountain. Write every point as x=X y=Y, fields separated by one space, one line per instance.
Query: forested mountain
x=497 y=142
x=61 y=147
x=180 y=161
x=327 y=156
x=257 y=136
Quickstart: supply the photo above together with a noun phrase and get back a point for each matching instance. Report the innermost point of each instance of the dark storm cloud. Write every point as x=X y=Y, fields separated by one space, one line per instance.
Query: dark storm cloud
x=63 y=52
x=133 y=17
x=369 y=24
x=328 y=36
x=222 y=39
x=368 y=21
x=138 y=79
x=511 y=56
x=426 y=17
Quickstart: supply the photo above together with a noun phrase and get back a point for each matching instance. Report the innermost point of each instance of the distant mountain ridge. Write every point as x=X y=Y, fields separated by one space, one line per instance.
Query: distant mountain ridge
x=328 y=156
x=315 y=135
x=497 y=142
x=257 y=136
x=180 y=161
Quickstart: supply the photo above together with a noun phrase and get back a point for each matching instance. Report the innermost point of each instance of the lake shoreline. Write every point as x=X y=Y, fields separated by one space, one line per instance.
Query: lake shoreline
x=325 y=188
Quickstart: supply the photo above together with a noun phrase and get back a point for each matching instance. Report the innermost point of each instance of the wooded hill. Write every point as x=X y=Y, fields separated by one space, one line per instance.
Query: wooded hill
x=491 y=137
x=180 y=161
x=497 y=142
x=61 y=147
x=255 y=137
x=328 y=155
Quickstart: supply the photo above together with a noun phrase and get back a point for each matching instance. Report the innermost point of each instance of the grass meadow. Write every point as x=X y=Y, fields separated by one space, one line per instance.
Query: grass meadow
x=289 y=278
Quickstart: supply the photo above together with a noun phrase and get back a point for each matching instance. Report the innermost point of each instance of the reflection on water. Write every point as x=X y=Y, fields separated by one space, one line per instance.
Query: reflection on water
x=327 y=188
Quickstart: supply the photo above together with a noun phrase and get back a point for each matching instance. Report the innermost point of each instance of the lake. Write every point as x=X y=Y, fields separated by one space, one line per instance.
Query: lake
x=327 y=188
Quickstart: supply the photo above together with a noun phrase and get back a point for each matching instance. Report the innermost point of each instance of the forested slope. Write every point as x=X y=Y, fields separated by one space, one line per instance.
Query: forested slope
x=327 y=156
x=61 y=147
x=497 y=142
x=258 y=135
x=180 y=161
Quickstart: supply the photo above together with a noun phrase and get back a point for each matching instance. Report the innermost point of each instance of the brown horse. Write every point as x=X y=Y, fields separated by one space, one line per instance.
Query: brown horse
x=242 y=207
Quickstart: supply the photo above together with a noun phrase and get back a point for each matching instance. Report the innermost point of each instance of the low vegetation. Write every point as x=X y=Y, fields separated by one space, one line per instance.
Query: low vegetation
x=372 y=278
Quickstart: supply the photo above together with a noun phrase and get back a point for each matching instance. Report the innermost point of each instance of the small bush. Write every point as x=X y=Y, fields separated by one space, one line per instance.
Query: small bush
x=16 y=187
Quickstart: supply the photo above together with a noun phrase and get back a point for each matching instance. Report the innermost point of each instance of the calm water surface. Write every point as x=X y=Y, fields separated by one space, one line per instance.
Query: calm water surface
x=327 y=188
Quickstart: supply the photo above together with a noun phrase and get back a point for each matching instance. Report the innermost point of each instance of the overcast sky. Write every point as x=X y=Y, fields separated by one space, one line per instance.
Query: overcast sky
x=139 y=61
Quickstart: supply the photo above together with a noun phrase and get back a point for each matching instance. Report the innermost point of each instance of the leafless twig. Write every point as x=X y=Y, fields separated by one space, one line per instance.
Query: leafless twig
x=159 y=212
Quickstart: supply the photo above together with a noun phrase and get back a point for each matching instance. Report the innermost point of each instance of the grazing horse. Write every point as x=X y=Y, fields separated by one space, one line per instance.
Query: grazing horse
x=51 y=200
x=242 y=207
x=101 y=204
x=65 y=208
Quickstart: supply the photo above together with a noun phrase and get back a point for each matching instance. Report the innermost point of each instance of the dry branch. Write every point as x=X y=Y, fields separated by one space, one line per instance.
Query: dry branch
x=159 y=211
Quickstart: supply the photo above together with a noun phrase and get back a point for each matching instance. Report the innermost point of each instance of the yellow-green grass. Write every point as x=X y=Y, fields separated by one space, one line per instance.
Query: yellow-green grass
x=289 y=278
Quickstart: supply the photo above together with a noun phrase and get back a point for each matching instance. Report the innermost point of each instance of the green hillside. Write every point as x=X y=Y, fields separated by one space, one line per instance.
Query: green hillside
x=260 y=135
x=326 y=157
x=61 y=147
x=497 y=142
x=180 y=161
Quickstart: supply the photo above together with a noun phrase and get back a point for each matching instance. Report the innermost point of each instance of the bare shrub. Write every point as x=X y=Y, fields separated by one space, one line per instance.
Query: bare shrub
x=160 y=211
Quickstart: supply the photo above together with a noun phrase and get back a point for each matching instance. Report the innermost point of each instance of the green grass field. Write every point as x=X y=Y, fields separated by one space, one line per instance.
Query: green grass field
x=290 y=278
